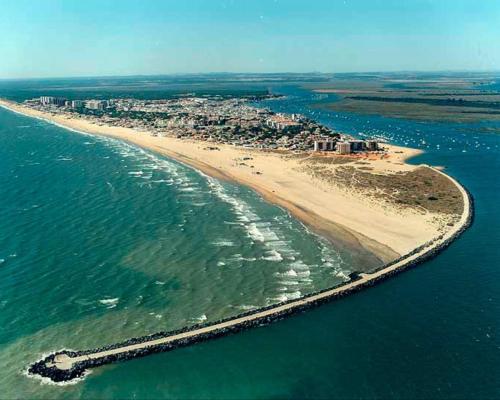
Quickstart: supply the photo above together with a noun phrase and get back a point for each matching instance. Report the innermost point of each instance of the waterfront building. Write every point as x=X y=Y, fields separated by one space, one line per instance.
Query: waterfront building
x=324 y=145
x=60 y=101
x=95 y=104
x=357 y=145
x=372 y=145
x=76 y=104
x=283 y=123
x=50 y=100
x=46 y=100
x=344 y=148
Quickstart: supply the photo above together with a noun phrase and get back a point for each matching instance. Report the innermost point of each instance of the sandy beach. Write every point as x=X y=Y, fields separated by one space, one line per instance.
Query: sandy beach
x=344 y=216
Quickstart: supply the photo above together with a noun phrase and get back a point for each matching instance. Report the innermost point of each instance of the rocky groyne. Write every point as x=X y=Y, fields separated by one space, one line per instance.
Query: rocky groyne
x=67 y=365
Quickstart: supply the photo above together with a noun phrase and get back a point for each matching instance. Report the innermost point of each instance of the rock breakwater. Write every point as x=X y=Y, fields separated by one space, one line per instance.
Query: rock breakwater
x=68 y=365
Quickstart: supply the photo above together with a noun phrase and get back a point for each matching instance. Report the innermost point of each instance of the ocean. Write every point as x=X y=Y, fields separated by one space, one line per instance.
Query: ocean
x=102 y=241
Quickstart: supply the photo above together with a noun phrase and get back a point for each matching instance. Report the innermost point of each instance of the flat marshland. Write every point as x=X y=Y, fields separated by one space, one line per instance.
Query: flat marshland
x=448 y=100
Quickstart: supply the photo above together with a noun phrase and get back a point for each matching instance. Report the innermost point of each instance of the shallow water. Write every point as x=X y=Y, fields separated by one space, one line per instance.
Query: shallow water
x=431 y=332
x=102 y=241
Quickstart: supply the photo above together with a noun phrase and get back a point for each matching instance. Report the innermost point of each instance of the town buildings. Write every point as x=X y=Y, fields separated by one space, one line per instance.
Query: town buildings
x=324 y=145
x=96 y=104
x=347 y=146
x=50 y=100
x=211 y=118
x=77 y=104
x=344 y=148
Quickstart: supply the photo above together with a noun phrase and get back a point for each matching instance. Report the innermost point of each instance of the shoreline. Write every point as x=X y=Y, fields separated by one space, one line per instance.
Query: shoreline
x=384 y=238
x=67 y=366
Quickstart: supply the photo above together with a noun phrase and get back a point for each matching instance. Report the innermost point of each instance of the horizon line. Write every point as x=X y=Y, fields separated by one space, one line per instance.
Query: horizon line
x=173 y=74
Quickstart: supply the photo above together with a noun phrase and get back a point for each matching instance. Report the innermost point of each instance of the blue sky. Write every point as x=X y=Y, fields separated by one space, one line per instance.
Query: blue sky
x=55 y=38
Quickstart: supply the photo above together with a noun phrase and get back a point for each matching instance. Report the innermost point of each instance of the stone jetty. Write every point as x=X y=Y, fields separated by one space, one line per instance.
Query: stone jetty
x=67 y=365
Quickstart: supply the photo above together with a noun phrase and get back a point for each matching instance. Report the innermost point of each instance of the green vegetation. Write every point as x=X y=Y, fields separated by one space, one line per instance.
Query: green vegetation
x=420 y=188
x=436 y=97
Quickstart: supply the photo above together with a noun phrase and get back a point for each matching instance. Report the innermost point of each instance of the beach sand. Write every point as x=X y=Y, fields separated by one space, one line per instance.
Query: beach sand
x=379 y=232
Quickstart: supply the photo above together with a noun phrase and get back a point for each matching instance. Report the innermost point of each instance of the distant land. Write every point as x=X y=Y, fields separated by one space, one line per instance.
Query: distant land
x=456 y=97
x=154 y=87
x=425 y=96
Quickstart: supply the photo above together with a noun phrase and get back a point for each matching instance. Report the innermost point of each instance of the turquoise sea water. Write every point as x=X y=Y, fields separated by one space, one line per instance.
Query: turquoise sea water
x=101 y=241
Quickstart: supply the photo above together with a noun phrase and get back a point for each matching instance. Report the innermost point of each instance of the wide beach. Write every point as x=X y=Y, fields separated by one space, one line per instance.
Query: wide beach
x=341 y=215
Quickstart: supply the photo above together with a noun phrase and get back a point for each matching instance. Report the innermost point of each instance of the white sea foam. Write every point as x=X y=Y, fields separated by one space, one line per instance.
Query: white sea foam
x=47 y=381
x=147 y=163
x=304 y=274
x=257 y=230
x=239 y=257
x=272 y=255
x=294 y=295
x=254 y=232
x=110 y=303
x=286 y=296
x=299 y=265
x=269 y=235
x=223 y=243
x=289 y=283
x=199 y=319
x=341 y=274
x=162 y=181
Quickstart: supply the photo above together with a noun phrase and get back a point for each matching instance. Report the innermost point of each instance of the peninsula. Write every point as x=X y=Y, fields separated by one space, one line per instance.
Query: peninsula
x=371 y=201
x=358 y=194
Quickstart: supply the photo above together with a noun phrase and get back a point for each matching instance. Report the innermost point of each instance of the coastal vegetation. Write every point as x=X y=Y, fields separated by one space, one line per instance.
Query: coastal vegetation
x=456 y=98
x=422 y=189
x=419 y=109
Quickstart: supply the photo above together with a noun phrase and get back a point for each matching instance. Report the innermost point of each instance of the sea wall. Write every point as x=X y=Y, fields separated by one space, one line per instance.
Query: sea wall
x=47 y=367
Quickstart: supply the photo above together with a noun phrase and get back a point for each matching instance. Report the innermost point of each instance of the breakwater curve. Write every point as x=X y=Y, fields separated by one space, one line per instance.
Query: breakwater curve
x=66 y=365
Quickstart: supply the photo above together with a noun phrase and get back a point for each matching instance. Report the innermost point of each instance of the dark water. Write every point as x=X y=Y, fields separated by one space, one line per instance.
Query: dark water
x=432 y=332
